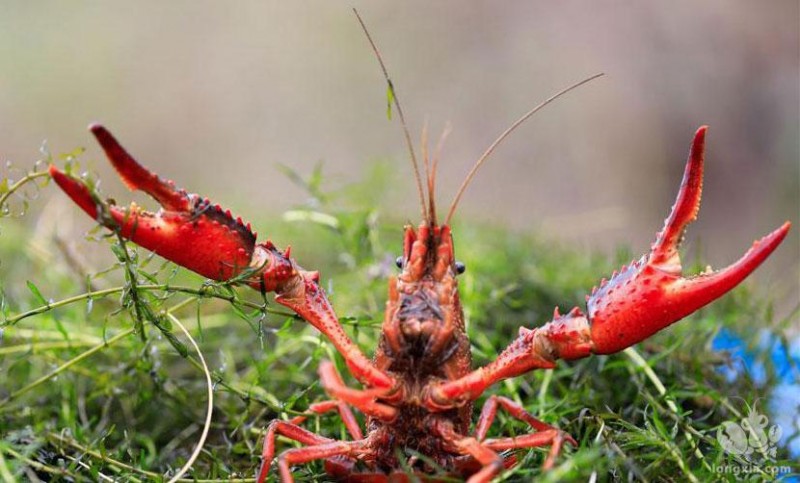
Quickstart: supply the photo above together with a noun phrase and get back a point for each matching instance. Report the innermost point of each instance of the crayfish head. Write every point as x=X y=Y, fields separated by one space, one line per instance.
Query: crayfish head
x=424 y=321
x=428 y=254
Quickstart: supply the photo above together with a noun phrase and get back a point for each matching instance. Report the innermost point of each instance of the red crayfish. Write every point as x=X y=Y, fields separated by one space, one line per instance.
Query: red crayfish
x=420 y=386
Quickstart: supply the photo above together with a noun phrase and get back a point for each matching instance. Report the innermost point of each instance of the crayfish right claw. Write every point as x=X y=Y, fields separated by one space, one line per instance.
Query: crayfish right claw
x=664 y=252
x=650 y=294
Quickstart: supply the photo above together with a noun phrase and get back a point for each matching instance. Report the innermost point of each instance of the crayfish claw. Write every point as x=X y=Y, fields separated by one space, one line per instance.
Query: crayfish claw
x=221 y=246
x=665 y=249
x=651 y=294
x=137 y=177
x=709 y=285
x=76 y=190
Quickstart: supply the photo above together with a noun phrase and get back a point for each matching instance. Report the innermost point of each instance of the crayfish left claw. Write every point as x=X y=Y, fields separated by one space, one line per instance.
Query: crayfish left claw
x=137 y=177
x=188 y=230
x=195 y=234
x=651 y=294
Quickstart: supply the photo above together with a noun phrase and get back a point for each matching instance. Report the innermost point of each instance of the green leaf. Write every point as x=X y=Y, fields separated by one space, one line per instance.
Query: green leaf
x=315 y=181
x=389 y=100
x=119 y=252
x=293 y=175
x=60 y=327
x=165 y=325
x=37 y=294
x=178 y=345
x=149 y=277
x=285 y=328
x=199 y=323
x=6 y=310
x=323 y=219
x=75 y=153
x=312 y=186
x=240 y=313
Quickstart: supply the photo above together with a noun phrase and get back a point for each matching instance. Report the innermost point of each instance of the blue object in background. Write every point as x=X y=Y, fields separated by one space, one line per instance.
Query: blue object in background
x=783 y=405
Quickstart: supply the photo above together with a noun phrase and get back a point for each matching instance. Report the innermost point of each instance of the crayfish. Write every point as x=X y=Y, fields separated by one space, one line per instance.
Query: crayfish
x=420 y=386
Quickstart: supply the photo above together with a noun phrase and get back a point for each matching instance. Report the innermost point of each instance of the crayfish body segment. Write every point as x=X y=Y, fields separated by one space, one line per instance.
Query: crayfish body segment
x=420 y=386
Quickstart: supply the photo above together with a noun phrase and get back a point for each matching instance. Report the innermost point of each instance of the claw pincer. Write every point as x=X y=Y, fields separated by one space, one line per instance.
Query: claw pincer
x=650 y=294
x=188 y=230
x=638 y=301
x=194 y=233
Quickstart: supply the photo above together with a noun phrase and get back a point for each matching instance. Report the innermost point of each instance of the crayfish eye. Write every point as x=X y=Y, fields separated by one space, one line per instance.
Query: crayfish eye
x=460 y=268
x=399 y=262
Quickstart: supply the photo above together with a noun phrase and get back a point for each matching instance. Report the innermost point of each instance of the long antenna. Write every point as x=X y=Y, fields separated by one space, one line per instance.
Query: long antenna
x=432 y=174
x=505 y=134
x=423 y=146
x=393 y=94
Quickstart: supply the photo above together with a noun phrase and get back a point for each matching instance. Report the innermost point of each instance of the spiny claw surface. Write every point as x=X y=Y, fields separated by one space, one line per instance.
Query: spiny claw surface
x=188 y=230
x=650 y=294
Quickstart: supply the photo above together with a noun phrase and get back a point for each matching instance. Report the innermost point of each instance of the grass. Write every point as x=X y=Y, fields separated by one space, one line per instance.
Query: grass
x=98 y=382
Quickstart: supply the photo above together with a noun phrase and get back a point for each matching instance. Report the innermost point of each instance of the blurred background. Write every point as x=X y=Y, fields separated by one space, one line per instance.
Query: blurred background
x=217 y=95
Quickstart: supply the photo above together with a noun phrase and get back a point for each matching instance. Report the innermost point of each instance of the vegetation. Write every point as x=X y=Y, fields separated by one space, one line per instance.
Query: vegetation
x=99 y=382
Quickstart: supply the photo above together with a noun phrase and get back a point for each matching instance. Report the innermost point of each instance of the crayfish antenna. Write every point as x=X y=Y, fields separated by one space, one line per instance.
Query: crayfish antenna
x=393 y=98
x=503 y=136
x=426 y=161
x=432 y=175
